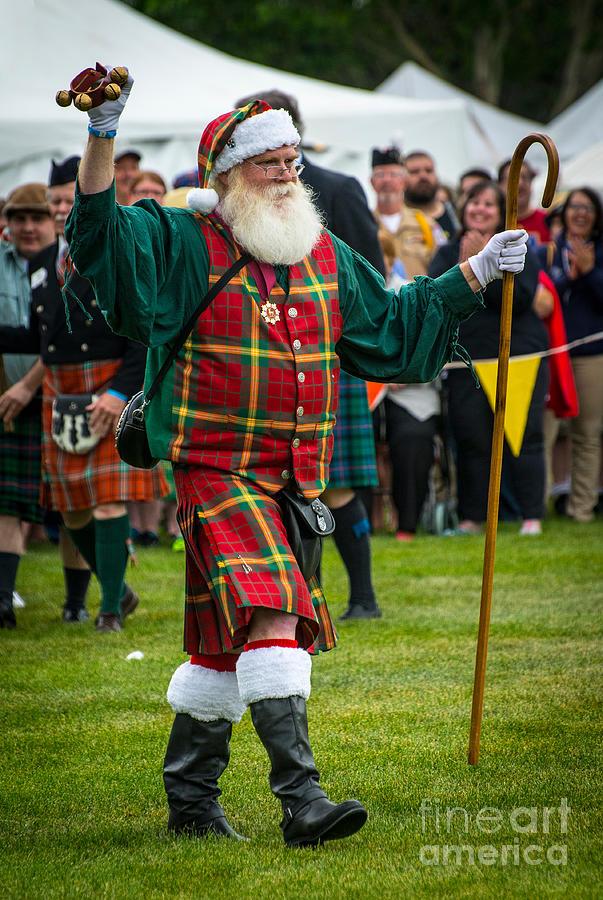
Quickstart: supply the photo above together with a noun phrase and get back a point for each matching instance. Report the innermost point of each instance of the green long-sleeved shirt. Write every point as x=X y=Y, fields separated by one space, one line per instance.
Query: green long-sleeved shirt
x=149 y=267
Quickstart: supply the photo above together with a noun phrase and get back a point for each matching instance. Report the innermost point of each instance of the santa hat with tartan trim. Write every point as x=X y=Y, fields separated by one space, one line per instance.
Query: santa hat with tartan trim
x=234 y=137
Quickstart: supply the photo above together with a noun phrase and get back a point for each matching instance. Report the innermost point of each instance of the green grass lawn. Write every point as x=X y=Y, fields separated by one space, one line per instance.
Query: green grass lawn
x=83 y=732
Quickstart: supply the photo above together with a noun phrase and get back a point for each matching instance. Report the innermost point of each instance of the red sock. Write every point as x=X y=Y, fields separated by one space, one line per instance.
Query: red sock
x=276 y=642
x=220 y=662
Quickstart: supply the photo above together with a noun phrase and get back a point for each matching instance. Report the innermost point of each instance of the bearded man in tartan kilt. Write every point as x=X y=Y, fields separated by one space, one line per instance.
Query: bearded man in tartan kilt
x=247 y=408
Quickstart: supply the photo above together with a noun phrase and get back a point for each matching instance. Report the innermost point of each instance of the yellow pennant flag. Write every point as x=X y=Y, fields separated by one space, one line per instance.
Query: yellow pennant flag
x=520 y=386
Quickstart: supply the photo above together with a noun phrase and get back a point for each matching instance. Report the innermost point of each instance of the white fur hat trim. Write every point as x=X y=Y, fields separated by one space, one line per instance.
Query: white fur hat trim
x=202 y=200
x=256 y=134
x=205 y=694
x=271 y=672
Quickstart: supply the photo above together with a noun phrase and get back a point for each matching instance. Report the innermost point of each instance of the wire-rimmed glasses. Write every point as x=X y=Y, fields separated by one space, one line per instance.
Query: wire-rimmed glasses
x=273 y=172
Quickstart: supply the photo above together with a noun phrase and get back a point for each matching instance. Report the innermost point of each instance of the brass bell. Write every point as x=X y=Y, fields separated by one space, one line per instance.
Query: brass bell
x=63 y=98
x=119 y=75
x=83 y=102
x=112 y=91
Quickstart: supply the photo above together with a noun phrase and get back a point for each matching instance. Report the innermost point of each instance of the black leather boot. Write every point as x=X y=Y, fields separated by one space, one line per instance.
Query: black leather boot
x=197 y=754
x=309 y=817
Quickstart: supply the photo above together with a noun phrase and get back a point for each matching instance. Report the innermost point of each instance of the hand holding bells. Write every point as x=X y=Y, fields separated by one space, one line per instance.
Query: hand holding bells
x=102 y=93
x=93 y=86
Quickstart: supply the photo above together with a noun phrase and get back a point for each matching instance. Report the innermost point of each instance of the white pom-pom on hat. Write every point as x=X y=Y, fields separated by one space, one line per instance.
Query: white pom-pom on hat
x=202 y=200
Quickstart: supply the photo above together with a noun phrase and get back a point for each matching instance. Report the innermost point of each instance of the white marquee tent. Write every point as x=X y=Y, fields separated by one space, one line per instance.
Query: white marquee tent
x=496 y=133
x=578 y=134
x=180 y=85
x=579 y=127
x=584 y=170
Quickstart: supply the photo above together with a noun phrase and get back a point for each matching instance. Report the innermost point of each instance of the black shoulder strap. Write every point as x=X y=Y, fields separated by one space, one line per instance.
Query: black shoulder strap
x=188 y=326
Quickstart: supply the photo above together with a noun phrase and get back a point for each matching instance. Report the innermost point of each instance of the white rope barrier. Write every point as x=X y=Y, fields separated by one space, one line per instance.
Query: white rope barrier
x=553 y=350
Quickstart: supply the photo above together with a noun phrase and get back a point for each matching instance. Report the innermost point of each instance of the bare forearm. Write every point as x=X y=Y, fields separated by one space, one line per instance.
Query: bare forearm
x=96 y=171
x=34 y=378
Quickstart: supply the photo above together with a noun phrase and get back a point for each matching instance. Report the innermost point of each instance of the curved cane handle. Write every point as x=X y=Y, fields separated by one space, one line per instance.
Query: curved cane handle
x=515 y=171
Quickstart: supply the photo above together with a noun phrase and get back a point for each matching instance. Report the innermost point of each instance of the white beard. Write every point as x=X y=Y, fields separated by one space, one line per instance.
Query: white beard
x=277 y=223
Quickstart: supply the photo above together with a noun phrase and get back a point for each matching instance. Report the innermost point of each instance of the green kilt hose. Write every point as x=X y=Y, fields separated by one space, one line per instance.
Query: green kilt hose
x=21 y=465
x=75 y=481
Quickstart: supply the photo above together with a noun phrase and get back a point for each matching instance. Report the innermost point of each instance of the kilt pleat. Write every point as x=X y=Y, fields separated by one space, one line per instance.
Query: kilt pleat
x=353 y=462
x=73 y=481
x=21 y=465
x=238 y=559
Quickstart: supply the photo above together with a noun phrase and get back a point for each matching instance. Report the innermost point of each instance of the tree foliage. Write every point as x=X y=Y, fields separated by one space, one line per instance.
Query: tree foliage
x=527 y=56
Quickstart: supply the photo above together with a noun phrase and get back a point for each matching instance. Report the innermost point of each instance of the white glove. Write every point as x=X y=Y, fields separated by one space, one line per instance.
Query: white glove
x=505 y=252
x=105 y=118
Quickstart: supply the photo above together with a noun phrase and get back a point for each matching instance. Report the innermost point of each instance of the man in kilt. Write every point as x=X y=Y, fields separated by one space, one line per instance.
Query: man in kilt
x=247 y=408
x=31 y=228
x=89 y=489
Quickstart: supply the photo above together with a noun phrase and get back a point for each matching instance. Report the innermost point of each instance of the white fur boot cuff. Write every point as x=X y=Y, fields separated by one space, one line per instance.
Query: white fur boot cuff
x=271 y=672
x=205 y=694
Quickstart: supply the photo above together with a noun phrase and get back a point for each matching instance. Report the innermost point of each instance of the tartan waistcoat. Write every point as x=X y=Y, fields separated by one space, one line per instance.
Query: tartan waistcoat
x=255 y=397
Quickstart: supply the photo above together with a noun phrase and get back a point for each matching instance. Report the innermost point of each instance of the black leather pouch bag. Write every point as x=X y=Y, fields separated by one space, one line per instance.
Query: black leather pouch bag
x=131 y=441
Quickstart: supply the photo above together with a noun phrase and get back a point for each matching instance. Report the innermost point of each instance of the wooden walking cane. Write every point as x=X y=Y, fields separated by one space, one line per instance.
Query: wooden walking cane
x=499 y=427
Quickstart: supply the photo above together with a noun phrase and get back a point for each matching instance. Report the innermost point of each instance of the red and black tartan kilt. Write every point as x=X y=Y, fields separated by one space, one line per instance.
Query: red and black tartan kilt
x=73 y=481
x=21 y=465
x=238 y=559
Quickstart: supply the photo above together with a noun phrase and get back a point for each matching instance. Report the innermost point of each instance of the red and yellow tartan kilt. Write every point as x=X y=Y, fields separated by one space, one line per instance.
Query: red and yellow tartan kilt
x=238 y=559
x=72 y=481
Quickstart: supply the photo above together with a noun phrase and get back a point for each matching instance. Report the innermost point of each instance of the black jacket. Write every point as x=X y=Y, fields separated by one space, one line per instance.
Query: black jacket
x=342 y=201
x=90 y=337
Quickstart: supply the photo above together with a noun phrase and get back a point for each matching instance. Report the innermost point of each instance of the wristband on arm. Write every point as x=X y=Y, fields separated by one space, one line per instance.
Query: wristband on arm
x=101 y=134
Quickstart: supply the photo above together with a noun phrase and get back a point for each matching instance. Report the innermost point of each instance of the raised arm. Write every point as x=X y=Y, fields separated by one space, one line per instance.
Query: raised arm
x=96 y=172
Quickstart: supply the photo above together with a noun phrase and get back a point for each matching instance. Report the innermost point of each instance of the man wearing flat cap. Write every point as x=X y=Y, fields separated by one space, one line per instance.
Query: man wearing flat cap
x=31 y=228
x=89 y=489
x=247 y=409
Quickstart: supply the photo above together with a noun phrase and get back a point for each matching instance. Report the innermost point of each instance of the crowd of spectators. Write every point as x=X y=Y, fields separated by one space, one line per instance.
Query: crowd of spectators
x=426 y=227
x=55 y=342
